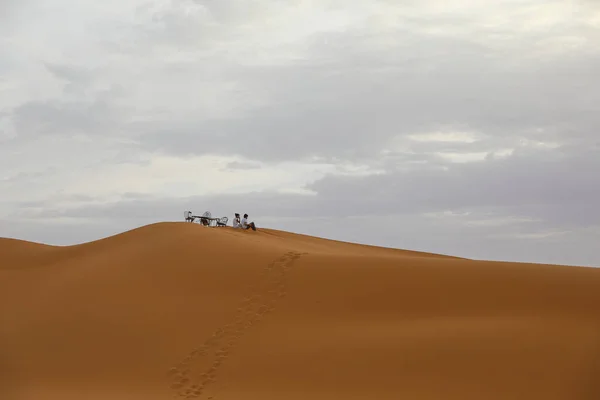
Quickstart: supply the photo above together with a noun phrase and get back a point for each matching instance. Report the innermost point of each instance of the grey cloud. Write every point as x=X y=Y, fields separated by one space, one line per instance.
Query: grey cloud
x=349 y=96
x=66 y=117
x=69 y=73
x=560 y=192
x=27 y=175
x=87 y=107
x=237 y=165
x=568 y=184
x=350 y=106
x=181 y=25
x=8 y=9
x=135 y=206
x=230 y=11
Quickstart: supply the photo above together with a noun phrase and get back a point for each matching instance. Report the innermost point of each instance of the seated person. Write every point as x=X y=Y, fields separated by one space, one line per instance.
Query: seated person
x=236 y=221
x=246 y=225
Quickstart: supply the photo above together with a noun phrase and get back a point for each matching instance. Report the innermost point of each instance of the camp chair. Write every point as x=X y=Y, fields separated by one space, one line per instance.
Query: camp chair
x=188 y=216
x=222 y=221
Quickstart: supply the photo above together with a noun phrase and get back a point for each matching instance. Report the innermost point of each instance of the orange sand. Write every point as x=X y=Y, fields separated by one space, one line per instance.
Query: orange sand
x=175 y=310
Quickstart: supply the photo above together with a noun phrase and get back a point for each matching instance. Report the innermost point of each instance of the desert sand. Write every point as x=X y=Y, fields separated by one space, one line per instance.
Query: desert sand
x=176 y=310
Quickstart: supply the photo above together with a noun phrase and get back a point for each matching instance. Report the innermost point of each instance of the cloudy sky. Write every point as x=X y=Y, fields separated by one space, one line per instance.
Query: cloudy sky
x=454 y=126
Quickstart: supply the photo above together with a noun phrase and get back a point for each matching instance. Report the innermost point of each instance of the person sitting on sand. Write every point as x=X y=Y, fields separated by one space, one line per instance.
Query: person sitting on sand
x=236 y=221
x=246 y=225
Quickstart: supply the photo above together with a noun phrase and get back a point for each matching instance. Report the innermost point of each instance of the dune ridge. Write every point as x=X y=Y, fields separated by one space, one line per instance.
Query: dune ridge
x=176 y=310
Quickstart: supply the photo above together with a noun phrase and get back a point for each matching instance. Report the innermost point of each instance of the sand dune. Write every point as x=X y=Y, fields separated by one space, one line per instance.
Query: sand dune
x=175 y=310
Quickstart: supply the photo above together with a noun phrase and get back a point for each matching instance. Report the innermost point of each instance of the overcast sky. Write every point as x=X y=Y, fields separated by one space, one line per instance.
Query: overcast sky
x=464 y=127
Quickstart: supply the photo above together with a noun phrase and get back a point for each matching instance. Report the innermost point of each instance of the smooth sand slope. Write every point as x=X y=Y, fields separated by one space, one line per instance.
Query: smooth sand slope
x=176 y=310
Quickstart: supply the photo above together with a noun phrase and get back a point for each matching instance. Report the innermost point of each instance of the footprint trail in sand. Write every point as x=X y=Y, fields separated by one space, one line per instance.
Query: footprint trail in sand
x=199 y=368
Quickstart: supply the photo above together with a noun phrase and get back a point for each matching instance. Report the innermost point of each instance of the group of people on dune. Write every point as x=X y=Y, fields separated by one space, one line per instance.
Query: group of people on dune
x=206 y=219
x=243 y=223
